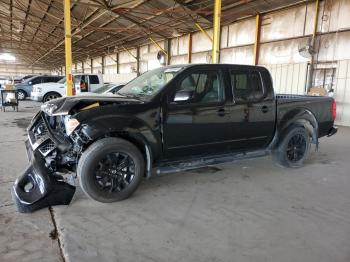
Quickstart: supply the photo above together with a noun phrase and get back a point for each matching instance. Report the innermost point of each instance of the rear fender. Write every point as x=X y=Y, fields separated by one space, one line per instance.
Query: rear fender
x=298 y=117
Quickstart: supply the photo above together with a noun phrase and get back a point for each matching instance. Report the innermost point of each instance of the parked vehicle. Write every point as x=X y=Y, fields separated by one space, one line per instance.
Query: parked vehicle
x=25 y=88
x=27 y=77
x=4 y=81
x=17 y=80
x=166 y=120
x=48 y=91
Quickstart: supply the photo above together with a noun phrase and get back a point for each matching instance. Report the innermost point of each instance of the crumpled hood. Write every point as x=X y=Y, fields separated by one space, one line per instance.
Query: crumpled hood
x=62 y=106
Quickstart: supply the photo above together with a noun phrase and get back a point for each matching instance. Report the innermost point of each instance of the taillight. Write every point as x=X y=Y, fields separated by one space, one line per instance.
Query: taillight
x=334 y=110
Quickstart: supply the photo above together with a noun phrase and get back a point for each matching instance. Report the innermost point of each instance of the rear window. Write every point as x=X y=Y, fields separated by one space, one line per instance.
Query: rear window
x=246 y=86
x=94 y=79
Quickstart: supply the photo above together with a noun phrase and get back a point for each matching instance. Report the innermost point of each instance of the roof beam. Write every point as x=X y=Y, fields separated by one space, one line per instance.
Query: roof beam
x=25 y=18
x=42 y=19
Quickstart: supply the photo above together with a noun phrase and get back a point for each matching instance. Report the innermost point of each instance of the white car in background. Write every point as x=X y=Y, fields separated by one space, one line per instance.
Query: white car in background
x=49 y=91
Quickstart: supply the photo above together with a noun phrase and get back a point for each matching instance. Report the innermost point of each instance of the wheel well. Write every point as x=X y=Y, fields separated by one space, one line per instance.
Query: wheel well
x=312 y=131
x=52 y=92
x=24 y=91
x=309 y=128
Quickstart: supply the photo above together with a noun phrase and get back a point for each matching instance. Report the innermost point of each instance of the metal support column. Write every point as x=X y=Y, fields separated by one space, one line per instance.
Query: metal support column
x=257 y=39
x=189 y=53
x=168 y=50
x=216 y=34
x=313 y=43
x=103 y=65
x=117 y=59
x=138 y=61
x=68 y=47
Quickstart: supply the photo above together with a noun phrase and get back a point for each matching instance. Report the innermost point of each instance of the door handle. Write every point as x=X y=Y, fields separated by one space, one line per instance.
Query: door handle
x=264 y=109
x=221 y=112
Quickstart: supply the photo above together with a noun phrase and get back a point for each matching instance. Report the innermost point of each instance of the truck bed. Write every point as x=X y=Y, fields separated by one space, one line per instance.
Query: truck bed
x=319 y=106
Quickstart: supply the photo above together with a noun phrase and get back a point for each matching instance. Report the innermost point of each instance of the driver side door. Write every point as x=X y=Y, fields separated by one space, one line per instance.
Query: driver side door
x=196 y=121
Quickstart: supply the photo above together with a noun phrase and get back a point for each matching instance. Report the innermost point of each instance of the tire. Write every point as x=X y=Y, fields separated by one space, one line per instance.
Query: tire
x=98 y=183
x=50 y=96
x=294 y=147
x=21 y=94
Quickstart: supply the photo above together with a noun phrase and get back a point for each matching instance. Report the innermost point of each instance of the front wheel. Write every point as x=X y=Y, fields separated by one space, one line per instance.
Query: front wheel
x=50 y=96
x=293 y=148
x=110 y=170
x=21 y=95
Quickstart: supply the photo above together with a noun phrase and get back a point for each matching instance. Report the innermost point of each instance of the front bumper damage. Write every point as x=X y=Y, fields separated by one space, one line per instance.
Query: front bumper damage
x=39 y=186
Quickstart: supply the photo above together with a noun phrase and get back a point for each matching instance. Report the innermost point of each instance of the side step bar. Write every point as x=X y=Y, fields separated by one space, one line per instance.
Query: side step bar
x=178 y=166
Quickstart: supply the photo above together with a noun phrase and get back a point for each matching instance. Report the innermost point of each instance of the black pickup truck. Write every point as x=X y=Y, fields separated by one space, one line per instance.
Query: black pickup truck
x=169 y=119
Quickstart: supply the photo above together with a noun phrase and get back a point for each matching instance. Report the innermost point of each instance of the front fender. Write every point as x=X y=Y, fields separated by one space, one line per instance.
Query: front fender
x=145 y=135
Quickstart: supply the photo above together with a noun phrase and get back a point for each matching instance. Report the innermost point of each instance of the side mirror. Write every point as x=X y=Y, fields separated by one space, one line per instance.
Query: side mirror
x=183 y=96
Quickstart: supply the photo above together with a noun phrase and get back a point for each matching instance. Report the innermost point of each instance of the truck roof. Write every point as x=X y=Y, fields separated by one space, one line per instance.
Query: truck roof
x=214 y=65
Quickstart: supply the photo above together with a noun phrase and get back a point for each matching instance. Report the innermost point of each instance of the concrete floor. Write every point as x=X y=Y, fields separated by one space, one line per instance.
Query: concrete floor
x=247 y=211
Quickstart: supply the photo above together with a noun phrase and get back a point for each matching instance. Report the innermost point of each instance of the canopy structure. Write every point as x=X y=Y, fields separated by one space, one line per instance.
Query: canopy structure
x=33 y=30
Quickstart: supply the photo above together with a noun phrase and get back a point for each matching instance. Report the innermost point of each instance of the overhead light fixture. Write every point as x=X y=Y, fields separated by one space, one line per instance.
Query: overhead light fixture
x=7 y=57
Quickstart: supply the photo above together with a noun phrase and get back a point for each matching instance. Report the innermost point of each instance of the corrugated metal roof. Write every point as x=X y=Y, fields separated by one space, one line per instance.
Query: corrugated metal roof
x=33 y=29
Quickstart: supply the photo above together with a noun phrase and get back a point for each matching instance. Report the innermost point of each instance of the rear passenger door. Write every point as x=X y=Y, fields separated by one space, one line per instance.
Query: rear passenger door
x=250 y=93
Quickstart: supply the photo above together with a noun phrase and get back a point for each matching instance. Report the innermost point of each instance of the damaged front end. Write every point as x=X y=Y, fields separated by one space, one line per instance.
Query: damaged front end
x=48 y=150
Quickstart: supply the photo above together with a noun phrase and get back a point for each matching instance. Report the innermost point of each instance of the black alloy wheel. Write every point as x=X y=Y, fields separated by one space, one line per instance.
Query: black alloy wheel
x=296 y=148
x=110 y=169
x=115 y=172
x=293 y=147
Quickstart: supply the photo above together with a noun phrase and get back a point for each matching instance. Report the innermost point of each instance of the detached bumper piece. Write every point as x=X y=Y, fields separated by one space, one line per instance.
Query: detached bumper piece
x=36 y=189
x=39 y=186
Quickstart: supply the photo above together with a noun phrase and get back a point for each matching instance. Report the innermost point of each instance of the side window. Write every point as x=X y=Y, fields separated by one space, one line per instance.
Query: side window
x=246 y=85
x=202 y=87
x=49 y=79
x=77 y=79
x=94 y=79
x=37 y=80
x=84 y=83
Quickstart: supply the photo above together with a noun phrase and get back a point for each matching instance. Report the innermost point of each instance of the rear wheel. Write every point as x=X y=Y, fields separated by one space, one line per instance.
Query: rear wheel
x=294 y=147
x=110 y=170
x=51 y=96
x=21 y=94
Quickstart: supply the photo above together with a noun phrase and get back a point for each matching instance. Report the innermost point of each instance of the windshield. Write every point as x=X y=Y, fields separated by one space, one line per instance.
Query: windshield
x=150 y=83
x=104 y=88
